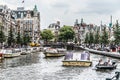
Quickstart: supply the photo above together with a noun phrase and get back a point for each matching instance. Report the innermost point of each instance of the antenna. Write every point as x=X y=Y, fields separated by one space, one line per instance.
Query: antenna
x=111 y=18
x=110 y=24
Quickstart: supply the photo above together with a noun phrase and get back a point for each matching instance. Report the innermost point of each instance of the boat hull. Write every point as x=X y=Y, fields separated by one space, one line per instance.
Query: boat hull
x=54 y=54
x=11 y=55
x=106 y=67
x=77 y=63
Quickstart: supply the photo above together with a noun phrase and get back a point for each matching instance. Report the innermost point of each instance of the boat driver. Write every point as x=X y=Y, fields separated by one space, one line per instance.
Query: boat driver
x=100 y=62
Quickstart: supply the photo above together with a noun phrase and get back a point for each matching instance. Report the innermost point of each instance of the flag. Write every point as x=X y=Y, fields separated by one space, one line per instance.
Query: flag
x=23 y=1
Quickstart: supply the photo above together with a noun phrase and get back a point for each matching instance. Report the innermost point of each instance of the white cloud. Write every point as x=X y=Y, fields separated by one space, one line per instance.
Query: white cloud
x=92 y=11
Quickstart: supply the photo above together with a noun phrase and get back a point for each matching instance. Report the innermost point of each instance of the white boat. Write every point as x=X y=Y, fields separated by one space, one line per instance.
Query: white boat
x=23 y=51
x=34 y=49
x=11 y=53
x=38 y=49
x=83 y=61
x=52 y=52
x=29 y=50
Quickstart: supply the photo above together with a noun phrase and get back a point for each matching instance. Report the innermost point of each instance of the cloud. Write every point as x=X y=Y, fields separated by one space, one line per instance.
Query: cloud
x=92 y=11
x=100 y=7
x=60 y=5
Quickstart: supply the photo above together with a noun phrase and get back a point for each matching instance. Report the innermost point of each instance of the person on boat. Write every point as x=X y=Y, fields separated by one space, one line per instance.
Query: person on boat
x=100 y=62
x=109 y=62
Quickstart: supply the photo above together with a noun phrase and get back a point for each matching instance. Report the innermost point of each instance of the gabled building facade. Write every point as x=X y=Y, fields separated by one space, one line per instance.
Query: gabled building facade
x=28 y=22
x=6 y=20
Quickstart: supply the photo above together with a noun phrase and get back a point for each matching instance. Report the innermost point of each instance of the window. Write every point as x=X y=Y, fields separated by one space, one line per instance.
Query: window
x=31 y=21
x=0 y=10
x=19 y=15
x=22 y=15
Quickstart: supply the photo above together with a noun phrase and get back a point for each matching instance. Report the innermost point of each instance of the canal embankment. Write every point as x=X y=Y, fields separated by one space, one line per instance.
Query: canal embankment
x=109 y=54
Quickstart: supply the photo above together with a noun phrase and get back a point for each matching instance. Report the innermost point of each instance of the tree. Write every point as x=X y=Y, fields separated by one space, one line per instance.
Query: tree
x=18 y=38
x=10 y=39
x=91 y=38
x=117 y=33
x=47 y=35
x=104 y=37
x=2 y=35
x=87 y=38
x=66 y=33
x=75 y=40
x=96 y=38
x=26 y=39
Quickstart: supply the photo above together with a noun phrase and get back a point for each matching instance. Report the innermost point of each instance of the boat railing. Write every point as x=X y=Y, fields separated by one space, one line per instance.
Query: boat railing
x=115 y=77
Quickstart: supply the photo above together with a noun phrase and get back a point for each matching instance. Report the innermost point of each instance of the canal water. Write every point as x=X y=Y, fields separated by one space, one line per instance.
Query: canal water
x=35 y=66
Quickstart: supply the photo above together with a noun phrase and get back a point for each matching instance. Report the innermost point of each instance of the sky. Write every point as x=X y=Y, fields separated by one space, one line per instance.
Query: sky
x=67 y=11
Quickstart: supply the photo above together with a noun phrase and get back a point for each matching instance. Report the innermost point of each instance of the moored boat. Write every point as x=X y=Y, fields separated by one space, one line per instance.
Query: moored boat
x=23 y=51
x=52 y=52
x=11 y=53
x=83 y=61
x=34 y=49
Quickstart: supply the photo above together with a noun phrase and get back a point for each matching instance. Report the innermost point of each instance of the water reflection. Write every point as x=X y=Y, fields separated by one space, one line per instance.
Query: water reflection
x=36 y=67
x=20 y=61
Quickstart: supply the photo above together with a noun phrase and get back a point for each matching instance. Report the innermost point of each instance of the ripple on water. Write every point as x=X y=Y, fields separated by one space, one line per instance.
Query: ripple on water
x=36 y=67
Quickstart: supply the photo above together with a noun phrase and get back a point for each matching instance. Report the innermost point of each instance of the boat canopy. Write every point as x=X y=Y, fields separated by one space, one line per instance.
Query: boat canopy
x=69 y=56
x=83 y=56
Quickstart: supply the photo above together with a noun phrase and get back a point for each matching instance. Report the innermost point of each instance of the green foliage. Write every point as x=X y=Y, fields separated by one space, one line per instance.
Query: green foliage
x=104 y=37
x=2 y=35
x=18 y=39
x=117 y=33
x=47 y=35
x=91 y=38
x=96 y=38
x=26 y=39
x=87 y=38
x=66 y=33
x=10 y=39
x=75 y=40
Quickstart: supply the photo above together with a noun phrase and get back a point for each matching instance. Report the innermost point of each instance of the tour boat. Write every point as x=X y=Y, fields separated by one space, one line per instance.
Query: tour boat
x=106 y=65
x=29 y=50
x=11 y=53
x=55 y=52
x=34 y=49
x=23 y=51
x=83 y=61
